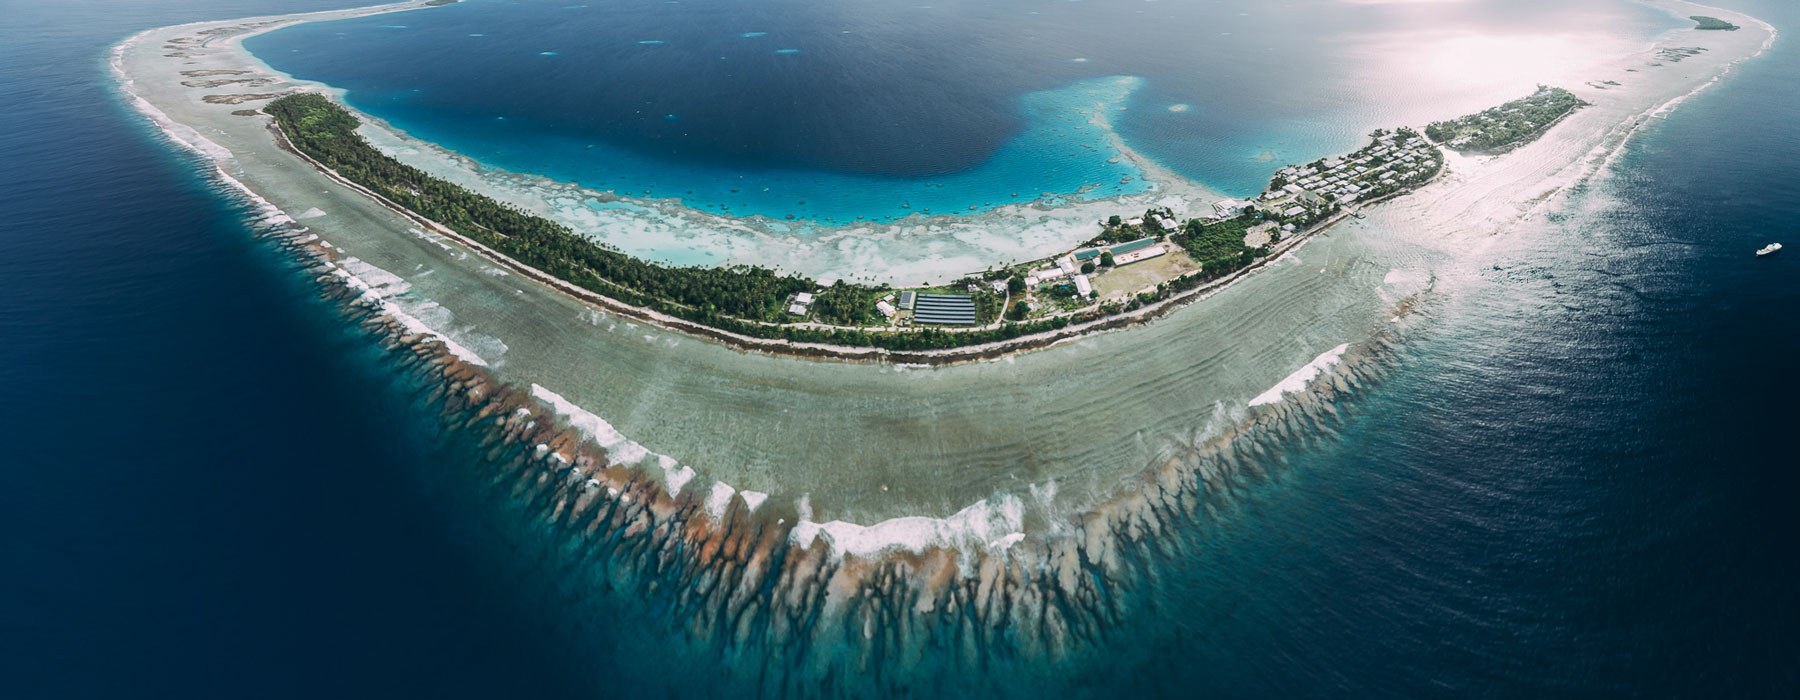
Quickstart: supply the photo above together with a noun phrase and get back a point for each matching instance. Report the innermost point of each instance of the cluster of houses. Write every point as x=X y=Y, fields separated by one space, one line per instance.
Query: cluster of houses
x=1068 y=267
x=1393 y=160
x=1301 y=196
x=801 y=304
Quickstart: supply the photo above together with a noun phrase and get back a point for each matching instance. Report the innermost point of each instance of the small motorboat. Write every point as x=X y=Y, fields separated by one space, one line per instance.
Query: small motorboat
x=1768 y=250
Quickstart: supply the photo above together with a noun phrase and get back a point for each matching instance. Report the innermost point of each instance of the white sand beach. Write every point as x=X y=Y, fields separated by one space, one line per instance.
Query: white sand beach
x=1054 y=432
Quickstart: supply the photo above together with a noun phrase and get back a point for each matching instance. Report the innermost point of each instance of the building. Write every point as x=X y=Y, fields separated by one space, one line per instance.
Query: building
x=1124 y=248
x=797 y=309
x=1228 y=208
x=803 y=298
x=886 y=309
x=1082 y=287
x=906 y=300
x=944 y=309
x=1138 y=254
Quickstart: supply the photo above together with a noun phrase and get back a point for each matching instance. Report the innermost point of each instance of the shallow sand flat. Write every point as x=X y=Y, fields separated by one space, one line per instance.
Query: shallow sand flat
x=1057 y=428
x=920 y=249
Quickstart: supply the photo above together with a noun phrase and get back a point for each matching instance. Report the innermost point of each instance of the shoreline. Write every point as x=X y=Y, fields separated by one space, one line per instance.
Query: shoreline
x=1049 y=221
x=221 y=156
x=821 y=351
x=1076 y=330
x=756 y=572
x=743 y=570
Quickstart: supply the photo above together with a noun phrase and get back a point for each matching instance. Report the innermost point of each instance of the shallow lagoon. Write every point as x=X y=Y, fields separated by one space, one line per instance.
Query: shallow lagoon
x=1067 y=422
x=891 y=108
x=1625 y=536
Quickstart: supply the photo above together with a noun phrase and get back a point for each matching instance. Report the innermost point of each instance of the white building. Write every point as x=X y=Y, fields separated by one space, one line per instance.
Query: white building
x=1228 y=208
x=1082 y=287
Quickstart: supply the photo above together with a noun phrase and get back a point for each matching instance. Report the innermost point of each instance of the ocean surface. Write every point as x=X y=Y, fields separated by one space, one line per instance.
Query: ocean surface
x=877 y=109
x=1577 y=484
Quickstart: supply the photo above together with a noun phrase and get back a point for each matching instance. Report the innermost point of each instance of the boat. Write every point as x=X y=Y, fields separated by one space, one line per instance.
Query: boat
x=1769 y=249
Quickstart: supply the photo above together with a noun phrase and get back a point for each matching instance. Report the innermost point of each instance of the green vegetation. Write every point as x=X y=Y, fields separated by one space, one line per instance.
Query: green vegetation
x=740 y=299
x=1219 y=246
x=987 y=306
x=753 y=301
x=1714 y=23
x=846 y=304
x=326 y=132
x=440 y=3
x=1508 y=126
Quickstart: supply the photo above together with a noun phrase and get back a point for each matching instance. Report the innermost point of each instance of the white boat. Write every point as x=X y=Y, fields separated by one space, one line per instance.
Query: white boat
x=1769 y=249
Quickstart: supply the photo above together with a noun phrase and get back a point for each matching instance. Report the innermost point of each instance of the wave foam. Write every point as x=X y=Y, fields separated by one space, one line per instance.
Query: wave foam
x=984 y=524
x=1299 y=379
x=620 y=450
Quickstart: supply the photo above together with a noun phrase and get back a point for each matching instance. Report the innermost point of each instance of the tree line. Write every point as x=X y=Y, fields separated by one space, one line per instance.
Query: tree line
x=742 y=299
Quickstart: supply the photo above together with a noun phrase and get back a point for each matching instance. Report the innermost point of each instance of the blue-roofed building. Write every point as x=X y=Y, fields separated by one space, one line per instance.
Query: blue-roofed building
x=1124 y=248
x=1118 y=250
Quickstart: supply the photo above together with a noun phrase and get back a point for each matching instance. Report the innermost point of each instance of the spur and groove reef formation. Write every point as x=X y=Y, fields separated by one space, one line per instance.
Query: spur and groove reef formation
x=744 y=582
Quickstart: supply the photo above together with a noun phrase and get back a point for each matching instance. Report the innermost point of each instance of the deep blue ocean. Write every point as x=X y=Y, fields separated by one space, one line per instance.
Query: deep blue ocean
x=1581 y=482
x=882 y=108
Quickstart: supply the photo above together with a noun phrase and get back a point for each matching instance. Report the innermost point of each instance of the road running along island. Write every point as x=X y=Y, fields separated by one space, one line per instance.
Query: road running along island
x=1133 y=270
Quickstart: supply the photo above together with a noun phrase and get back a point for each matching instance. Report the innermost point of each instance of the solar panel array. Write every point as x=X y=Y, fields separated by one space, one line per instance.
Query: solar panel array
x=944 y=309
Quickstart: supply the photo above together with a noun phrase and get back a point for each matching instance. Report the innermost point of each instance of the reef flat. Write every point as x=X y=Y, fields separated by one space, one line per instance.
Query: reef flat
x=1018 y=504
x=757 y=582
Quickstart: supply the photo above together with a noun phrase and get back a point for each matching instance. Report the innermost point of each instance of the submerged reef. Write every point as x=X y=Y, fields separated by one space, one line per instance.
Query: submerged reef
x=743 y=581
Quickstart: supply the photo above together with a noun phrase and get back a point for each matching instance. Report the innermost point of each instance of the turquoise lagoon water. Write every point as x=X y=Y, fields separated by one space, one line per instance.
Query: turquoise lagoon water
x=1577 y=485
x=878 y=109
